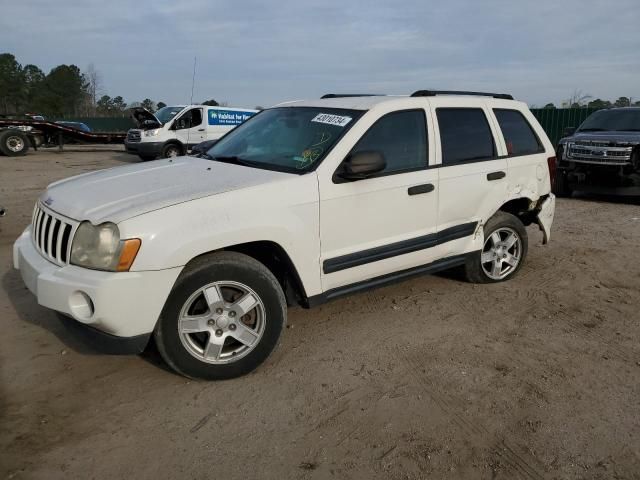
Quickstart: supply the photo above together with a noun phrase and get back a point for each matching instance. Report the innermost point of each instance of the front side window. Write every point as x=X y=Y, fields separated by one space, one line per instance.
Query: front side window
x=518 y=134
x=464 y=135
x=401 y=137
x=192 y=118
x=293 y=139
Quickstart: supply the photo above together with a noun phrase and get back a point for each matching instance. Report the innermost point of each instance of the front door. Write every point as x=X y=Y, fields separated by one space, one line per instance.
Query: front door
x=190 y=128
x=382 y=224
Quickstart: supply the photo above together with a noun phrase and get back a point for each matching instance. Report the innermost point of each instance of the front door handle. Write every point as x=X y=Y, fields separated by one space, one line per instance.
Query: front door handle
x=201 y=129
x=418 y=189
x=496 y=175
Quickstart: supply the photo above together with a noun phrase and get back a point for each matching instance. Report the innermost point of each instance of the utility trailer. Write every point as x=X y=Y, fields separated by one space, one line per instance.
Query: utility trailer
x=18 y=134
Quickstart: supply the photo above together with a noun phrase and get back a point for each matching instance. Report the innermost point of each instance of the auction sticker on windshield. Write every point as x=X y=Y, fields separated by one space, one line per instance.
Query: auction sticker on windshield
x=331 y=119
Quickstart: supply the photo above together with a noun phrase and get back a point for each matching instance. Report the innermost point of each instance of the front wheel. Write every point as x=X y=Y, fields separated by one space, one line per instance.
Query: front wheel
x=171 y=150
x=222 y=319
x=561 y=186
x=503 y=253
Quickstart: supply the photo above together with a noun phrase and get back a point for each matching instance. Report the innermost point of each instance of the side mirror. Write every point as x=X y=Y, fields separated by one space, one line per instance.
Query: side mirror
x=362 y=165
x=569 y=131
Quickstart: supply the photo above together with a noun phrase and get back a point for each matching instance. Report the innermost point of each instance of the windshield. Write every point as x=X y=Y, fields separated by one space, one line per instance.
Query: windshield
x=606 y=120
x=293 y=139
x=167 y=113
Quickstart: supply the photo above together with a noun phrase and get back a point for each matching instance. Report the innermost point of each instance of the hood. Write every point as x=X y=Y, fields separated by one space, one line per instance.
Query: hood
x=143 y=118
x=119 y=193
x=613 y=137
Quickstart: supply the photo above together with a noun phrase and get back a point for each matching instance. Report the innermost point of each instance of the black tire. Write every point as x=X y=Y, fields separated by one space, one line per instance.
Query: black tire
x=14 y=143
x=169 y=149
x=561 y=186
x=501 y=222
x=146 y=158
x=220 y=267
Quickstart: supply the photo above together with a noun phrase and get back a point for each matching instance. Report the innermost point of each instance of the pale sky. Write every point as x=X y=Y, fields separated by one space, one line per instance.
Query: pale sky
x=264 y=52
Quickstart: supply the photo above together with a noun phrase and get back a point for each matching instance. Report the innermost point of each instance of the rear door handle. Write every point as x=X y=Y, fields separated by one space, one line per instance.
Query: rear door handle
x=495 y=175
x=418 y=189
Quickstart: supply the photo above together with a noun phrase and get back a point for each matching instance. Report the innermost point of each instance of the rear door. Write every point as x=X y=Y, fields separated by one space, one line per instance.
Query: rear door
x=472 y=178
x=387 y=223
x=526 y=156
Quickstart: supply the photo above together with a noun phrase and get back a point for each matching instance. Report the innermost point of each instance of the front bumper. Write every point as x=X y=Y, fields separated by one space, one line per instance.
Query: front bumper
x=120 y=304
x=145 y=149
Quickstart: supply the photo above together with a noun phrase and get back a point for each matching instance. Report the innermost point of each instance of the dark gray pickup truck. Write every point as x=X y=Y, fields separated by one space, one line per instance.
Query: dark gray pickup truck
x=602 y=155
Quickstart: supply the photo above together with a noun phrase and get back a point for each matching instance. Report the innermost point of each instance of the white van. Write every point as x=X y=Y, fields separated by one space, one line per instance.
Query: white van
x=173 y=130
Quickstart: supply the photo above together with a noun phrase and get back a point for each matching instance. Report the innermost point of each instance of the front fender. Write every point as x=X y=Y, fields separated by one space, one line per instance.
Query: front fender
x=286 y=213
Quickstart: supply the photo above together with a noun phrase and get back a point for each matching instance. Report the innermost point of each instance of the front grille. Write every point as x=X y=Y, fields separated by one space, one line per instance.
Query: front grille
x=599 y=153
x=52 y=234
x=594 y=143
x=133 y=136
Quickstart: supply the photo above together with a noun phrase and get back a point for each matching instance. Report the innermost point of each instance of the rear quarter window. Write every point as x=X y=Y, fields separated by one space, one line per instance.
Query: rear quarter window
x=518 y=134
x=465 y=135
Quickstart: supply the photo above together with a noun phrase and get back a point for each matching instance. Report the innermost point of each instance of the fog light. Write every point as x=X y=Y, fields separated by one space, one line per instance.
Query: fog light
x=81 y=305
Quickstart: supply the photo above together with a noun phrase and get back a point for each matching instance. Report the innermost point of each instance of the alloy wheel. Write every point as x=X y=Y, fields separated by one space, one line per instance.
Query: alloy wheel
x=222 y=322
x=501 y=254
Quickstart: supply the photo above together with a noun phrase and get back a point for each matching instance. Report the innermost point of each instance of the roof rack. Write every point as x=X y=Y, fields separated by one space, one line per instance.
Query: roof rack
x=343 y=95
x=433 y=93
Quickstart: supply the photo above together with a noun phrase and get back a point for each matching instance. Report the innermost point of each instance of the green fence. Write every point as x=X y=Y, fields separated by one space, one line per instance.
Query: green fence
x=555 y=120
x=100 y=124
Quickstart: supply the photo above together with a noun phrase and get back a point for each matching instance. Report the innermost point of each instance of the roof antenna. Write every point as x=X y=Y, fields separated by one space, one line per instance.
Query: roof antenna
x=193 y=80
x=193 y=83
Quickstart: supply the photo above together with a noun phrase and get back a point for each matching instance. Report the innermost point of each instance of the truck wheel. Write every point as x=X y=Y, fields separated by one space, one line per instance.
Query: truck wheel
x=14 y=143
x=222 y=319
x=503 y=253
x=561 y=186
x=171 y=150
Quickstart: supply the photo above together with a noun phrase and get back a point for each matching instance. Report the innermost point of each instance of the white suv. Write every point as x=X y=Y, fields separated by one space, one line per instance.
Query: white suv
x=305 y=202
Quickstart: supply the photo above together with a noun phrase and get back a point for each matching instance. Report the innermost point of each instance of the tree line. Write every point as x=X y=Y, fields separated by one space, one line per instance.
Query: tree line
x=578 y=99
x=65 y=91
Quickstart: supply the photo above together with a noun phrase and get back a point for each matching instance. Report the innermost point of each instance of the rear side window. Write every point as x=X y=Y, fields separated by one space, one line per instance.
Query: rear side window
x=518 y=134
x=465 y=135
x=402 y=139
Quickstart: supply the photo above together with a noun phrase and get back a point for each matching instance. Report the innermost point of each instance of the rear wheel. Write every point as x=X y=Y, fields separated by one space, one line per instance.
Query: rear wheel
x=14 y=143
x=171 y=150
x=222 y=319
x=503 y=253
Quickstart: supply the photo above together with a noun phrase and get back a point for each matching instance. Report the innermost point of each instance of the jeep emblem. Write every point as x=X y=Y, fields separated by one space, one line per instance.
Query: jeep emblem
x=48 y=201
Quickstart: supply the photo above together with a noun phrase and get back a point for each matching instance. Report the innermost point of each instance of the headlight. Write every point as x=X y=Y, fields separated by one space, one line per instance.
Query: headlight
x=152 y=132
x=100 y=248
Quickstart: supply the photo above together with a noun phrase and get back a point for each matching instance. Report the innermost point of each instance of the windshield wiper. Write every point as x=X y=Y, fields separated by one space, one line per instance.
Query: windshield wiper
x=593 y=130
x=231 y=159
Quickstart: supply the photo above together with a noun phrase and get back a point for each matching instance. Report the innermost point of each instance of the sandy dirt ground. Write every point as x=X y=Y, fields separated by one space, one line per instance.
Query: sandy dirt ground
x=536 y=378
